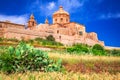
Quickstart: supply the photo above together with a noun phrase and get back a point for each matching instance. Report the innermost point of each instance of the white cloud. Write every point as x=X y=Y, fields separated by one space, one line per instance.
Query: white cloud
x=51 y=5
x=69 y=5
x=15 y=19
x=109 y=15
x=47 y=9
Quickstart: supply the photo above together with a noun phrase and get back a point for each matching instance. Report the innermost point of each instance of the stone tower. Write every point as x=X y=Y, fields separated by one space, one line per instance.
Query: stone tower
x=31 y=23
x=46 y=21
x=61 y=16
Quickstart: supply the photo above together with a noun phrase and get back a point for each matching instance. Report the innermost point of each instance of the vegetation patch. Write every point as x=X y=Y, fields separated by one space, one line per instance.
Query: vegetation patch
x=49 y=42
x=78 y=48
x=98 y=50
x=24 y=57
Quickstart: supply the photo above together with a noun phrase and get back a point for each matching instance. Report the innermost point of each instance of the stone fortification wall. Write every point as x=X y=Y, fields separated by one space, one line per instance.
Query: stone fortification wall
x=23 y=33
x=2 y=32
x=12 y=25
x=32 y=34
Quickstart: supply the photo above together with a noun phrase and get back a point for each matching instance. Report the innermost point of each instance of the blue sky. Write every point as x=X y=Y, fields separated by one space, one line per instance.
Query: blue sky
x=100 y=16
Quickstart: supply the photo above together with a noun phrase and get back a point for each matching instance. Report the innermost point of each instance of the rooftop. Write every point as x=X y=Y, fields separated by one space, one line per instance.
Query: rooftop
x=61 y=11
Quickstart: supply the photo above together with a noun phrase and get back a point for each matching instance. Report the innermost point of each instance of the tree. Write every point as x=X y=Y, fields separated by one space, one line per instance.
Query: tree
x=98 y=50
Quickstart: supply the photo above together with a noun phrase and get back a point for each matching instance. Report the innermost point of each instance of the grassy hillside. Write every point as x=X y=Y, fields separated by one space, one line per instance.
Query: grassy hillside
x=73 y=70
x=79 y=62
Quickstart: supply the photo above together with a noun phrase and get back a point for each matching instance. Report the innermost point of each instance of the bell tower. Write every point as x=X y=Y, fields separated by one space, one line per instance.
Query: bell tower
x=46 y=21
x=31 y=23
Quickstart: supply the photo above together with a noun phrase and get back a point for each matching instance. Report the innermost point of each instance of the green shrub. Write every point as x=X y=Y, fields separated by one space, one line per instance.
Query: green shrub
x=49 y=41
x=38 y=39
x=50 y=38
x=1 y=39
x=115 y=52
x=30 y=41
x=78 y=48
x=24 y=57
x=98 y=50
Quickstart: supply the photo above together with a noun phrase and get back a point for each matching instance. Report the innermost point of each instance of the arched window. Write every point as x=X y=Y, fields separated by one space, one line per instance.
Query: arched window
x=57 y=31
x=66 y=20
x=0 y=25
x=59 y=37
x=32 y=23
x=61 y=19
x=55 y=19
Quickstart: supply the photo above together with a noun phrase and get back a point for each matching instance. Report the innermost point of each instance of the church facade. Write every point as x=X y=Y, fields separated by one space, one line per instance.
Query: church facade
x=62 y=30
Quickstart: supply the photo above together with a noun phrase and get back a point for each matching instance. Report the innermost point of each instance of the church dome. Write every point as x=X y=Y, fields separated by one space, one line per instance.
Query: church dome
x=61 y=11
x=61 y=16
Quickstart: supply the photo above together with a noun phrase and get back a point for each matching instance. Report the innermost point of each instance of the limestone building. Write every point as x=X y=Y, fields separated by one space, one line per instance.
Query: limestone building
x=62 y=29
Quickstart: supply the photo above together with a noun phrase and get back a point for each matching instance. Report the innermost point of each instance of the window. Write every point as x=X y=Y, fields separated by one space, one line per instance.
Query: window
x=0 y=25
x=66 y=20
x=55 y=19
x=61 y=19
x=32 y=23
x=80 y=33
x=59 y=37
x=57 y=31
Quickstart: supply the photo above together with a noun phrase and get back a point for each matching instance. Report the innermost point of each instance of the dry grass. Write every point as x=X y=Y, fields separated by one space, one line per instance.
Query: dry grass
x=88 y=63
x=71 y=59
x=58 y=76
